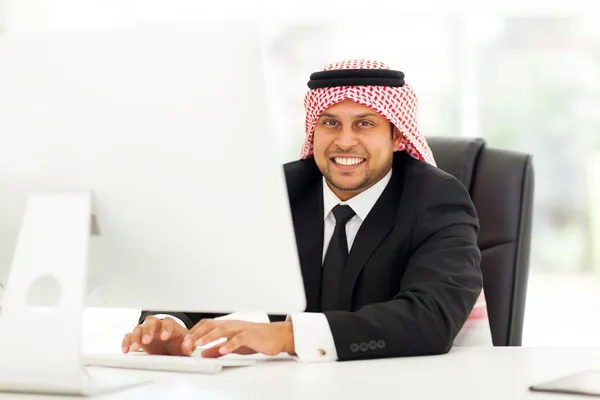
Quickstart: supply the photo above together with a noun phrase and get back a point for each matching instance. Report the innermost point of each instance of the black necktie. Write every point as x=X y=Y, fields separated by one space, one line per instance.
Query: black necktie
x=335 y=258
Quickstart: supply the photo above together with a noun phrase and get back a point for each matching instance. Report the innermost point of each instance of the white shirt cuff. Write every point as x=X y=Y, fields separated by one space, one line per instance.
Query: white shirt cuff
x=313 y=339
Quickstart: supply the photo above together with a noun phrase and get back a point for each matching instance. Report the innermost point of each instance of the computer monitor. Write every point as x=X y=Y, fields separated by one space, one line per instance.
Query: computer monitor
x=157 y=142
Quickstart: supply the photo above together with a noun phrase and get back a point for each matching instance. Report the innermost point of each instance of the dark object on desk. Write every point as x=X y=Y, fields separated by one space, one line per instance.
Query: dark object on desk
x=501 y=186
x=584 y=383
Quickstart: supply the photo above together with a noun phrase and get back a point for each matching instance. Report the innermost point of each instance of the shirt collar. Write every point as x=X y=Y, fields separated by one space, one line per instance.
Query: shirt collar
x=362 y=203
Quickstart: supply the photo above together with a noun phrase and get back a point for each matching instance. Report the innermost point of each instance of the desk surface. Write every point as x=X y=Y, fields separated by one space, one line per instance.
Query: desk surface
x=464 y=373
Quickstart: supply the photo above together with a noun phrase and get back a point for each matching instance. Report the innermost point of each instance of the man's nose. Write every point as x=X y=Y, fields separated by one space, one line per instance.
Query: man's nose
x=346 y=138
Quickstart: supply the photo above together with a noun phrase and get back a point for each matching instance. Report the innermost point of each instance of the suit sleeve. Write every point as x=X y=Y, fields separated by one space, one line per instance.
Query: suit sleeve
x=189 y=319
x=438 y=290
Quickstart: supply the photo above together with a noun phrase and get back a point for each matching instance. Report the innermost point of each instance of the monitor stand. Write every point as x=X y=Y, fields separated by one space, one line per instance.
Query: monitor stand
x=44 y=298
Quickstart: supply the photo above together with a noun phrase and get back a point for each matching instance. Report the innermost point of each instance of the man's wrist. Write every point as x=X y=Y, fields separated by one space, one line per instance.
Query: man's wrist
x=287 y=335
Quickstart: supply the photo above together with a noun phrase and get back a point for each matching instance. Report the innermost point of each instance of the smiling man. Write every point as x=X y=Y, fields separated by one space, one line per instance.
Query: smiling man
x=387 y=242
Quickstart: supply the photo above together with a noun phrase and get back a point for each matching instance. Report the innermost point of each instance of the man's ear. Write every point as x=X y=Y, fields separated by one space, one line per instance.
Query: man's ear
x=396 y=138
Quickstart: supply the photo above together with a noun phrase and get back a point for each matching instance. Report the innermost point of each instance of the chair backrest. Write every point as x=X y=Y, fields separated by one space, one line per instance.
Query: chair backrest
x=501 y=185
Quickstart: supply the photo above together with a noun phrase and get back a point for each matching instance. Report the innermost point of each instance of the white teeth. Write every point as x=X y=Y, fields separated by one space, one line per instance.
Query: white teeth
x=348 y=161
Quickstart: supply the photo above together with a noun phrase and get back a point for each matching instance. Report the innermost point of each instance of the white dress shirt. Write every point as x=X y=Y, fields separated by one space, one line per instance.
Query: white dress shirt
x=313 y=339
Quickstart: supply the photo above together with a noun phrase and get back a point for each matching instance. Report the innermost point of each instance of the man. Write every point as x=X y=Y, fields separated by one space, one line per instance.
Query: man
x=387 y=242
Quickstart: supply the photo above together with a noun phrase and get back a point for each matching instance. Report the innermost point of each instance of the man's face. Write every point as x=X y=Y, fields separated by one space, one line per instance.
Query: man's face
x=353 y=147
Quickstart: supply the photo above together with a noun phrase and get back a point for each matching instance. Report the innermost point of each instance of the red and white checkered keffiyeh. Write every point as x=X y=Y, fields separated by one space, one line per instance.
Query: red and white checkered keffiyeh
x=399 y=105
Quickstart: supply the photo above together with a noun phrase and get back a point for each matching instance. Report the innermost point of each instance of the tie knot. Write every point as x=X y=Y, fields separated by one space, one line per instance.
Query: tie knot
x=342 y=214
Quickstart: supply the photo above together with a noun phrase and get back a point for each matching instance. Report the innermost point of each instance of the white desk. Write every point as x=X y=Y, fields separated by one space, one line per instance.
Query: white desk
x=464 y=373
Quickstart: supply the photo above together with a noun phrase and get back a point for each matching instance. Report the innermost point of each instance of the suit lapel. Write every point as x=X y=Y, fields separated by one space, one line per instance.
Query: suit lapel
x=308 y=223
x=372 y=232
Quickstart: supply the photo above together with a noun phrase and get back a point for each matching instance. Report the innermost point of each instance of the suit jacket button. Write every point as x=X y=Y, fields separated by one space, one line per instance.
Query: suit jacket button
x=373 y=345
x=364 y=346
x=381 y=344
x=354 y=347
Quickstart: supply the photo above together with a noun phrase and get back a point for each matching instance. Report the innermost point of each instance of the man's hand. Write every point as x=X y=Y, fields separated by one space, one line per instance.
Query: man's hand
x=242 y=337
x=156 y=336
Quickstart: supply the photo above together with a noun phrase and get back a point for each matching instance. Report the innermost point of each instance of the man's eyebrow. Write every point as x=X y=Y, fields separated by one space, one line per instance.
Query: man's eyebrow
x=367 y=115
x=328 y=115
x=364 y=115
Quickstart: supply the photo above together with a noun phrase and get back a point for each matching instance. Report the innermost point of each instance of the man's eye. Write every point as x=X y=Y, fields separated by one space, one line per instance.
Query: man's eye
x=330 y=122
x=363 y=124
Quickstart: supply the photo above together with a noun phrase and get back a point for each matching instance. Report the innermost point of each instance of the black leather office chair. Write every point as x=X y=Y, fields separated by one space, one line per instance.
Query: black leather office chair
x=501 y=186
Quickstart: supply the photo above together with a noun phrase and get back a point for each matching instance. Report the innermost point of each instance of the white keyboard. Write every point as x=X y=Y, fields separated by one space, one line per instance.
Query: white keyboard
x=145 y=361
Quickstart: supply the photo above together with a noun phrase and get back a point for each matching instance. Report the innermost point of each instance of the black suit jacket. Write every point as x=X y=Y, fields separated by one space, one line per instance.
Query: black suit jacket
x=412 y=275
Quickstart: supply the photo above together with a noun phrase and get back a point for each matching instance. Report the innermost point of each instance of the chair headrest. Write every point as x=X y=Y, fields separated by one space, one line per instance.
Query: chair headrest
x=457 y=156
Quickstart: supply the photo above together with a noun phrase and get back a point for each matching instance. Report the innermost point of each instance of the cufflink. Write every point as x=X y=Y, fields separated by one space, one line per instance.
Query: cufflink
x=321 y=352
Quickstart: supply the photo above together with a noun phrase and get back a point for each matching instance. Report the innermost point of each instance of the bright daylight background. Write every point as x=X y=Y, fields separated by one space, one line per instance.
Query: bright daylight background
x=524 y=76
